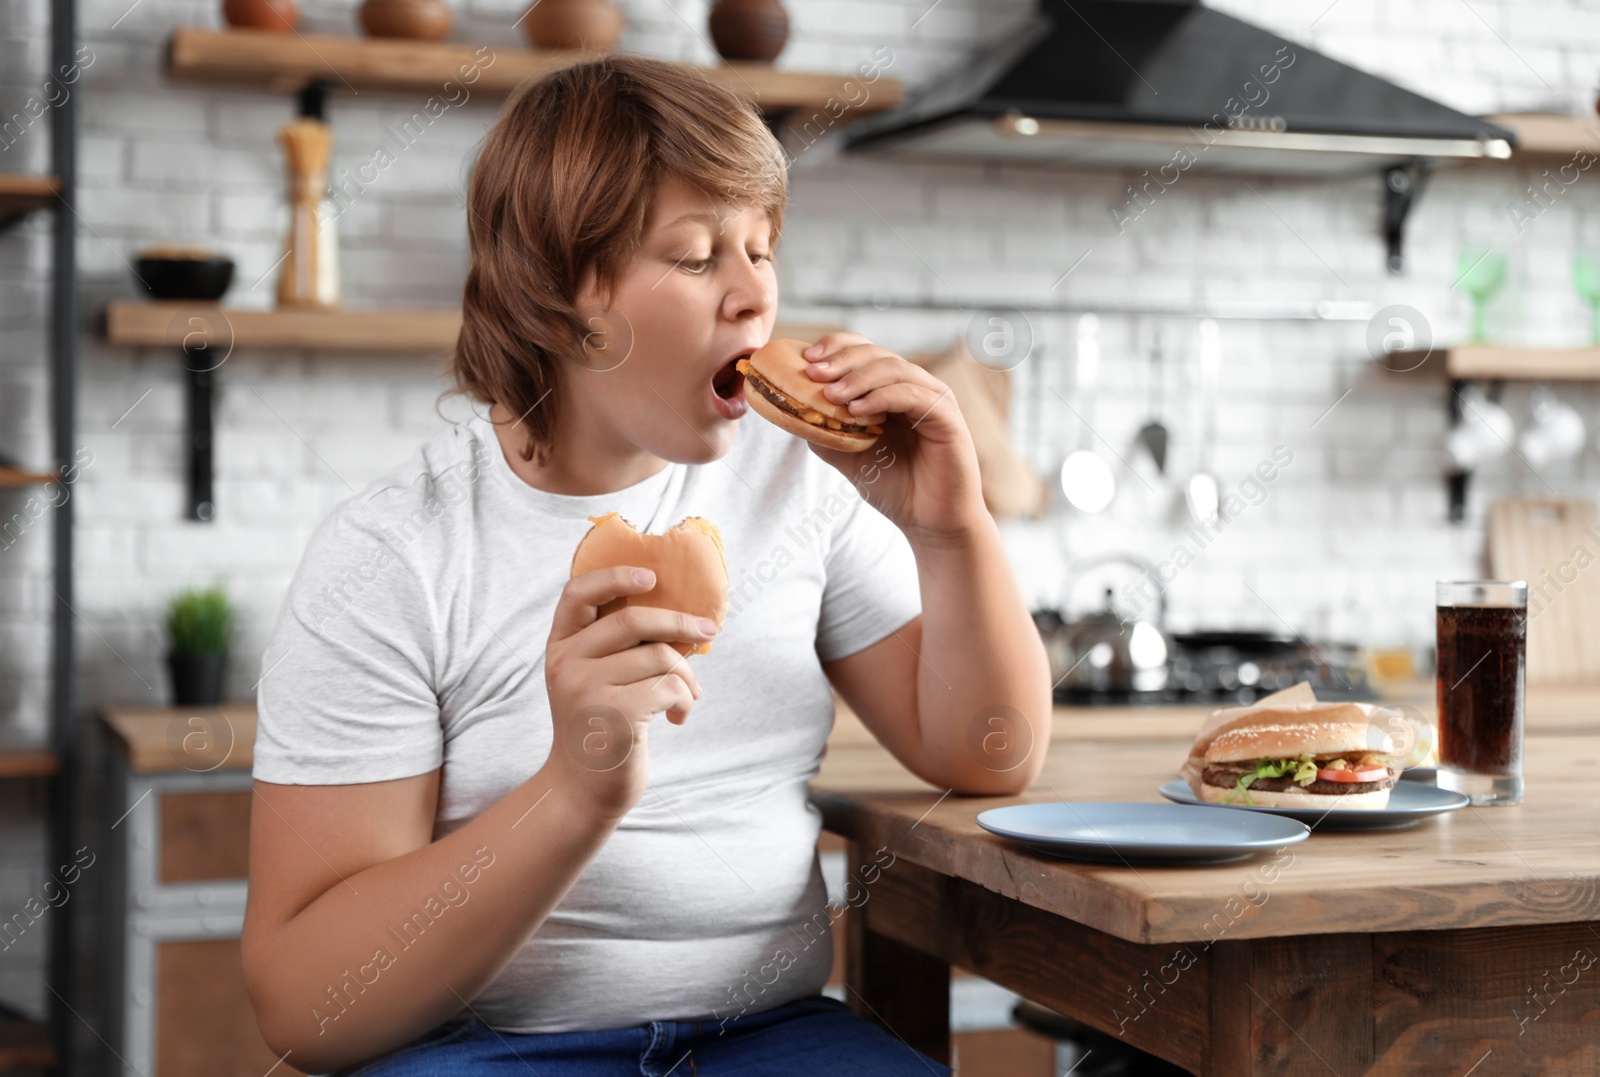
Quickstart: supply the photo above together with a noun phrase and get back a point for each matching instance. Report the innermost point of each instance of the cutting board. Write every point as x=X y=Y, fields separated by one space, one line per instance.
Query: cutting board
x=1010 y=488
x=1554 y=544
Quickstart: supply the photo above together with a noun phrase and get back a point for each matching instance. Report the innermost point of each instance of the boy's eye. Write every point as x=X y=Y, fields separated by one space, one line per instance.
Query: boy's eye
x=701 y=265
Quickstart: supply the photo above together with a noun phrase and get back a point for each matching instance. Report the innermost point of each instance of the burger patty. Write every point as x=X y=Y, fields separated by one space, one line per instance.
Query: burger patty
x=782 y=403
x=1229 y=777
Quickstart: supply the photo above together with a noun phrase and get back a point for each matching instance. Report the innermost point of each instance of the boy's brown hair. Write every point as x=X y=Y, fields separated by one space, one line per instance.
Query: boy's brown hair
x=562 y=187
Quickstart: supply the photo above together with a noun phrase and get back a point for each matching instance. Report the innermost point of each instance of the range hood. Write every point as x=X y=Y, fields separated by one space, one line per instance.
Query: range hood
x=1154 y=83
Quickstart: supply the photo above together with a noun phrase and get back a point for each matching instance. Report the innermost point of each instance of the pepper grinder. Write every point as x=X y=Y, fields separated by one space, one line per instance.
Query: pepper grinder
x=310 y=274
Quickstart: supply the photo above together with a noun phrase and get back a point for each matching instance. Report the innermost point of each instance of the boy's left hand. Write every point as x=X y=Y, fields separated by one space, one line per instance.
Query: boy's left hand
x=923 y=472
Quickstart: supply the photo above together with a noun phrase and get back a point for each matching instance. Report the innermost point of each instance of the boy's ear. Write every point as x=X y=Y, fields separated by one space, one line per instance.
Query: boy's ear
x=607 y=338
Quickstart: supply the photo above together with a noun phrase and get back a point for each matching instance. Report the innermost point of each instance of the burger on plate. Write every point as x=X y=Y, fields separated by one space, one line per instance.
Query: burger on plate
x=783 y=393
x=1316 y=765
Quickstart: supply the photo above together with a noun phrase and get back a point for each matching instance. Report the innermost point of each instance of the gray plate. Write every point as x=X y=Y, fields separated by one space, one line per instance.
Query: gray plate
x=1118 y=833
x=1409 y=802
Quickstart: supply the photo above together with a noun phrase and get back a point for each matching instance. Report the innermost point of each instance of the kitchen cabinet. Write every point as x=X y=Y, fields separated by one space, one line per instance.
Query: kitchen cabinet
x=179 y=807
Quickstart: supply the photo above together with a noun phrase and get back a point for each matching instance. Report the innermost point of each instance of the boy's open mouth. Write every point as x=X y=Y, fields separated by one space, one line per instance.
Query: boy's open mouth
x=727 y=381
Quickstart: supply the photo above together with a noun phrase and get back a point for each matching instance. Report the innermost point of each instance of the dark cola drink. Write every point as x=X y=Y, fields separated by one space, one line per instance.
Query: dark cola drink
x=1483 y=639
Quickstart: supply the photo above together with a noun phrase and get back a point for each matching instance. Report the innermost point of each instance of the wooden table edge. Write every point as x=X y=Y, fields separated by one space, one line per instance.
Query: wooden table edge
x=1082 y=904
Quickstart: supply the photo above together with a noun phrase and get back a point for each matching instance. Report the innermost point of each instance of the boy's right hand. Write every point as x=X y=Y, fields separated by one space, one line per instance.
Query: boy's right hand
x=606 y=677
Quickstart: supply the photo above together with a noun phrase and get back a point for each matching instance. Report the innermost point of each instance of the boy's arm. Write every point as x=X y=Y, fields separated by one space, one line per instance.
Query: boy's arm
x=961 y=694
x=361 y=933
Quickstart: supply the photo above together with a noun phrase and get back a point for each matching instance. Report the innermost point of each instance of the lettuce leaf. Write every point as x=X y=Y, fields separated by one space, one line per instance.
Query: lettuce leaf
x=1302 y=768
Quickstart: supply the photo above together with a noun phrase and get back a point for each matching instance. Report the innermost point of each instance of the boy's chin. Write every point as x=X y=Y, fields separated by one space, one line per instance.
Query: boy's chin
x=712 y=445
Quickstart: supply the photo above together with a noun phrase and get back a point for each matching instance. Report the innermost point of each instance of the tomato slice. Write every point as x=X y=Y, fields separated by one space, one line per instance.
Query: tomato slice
x=1369 y=774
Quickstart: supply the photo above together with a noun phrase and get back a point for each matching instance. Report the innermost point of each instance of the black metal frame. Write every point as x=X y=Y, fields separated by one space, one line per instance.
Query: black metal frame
x=64 y=726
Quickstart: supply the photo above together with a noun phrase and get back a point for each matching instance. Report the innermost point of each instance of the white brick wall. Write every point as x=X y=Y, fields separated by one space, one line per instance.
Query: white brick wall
x=1347 y=545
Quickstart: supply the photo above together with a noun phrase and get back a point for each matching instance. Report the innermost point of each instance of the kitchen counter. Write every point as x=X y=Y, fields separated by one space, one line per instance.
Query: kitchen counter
x=205 y=738
x=1568 y=709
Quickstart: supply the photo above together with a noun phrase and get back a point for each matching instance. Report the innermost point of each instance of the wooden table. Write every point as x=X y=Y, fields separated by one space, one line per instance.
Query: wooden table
x=1464 y=941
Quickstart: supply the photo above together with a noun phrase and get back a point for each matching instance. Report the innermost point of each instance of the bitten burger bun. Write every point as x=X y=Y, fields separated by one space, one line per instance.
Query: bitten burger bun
x=783 y=393
x=691 y=573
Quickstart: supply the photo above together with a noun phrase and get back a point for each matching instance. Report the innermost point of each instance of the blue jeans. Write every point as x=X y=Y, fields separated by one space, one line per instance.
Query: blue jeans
x=815 y=1036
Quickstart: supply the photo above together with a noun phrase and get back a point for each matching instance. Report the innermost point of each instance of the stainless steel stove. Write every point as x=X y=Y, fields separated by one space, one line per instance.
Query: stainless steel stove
x=1233 y=668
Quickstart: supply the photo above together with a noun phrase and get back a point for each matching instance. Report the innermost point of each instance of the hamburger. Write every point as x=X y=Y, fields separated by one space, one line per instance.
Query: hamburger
x=691 y=572
x=1301 y=760
x=783 y=393
x=1231 y=763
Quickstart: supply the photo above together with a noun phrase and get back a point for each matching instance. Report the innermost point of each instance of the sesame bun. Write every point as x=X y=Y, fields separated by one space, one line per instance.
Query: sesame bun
x=1285 y=740
x=691 y=574
x=1266 y=713
x=1291 y=706
x=781 y=392
x=1374 y=800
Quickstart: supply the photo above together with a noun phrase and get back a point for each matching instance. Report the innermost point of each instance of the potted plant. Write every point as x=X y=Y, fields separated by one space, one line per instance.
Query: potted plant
x=200 y=624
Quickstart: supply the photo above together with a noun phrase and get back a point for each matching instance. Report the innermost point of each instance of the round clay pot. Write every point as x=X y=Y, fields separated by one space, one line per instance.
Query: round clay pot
x=423 y=20
x=280 y=16
x=573 y=24
x=749 y=29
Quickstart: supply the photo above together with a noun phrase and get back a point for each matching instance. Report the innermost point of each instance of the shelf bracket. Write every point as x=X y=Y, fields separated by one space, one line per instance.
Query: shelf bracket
x=200 y=373
x=1401 y=186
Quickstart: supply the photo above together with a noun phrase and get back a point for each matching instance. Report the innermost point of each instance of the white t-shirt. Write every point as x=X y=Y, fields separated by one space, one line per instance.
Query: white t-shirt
x=413 y=636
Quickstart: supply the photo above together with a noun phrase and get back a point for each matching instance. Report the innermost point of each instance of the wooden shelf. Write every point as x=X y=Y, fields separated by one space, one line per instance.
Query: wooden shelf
x=13 y=477
x=1542 y=135
x=22 y=194
x=171 y=323
x=19 y=760
x=285 y=62
x=405 y=329
x=25 y=1045
x=1501 y=361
